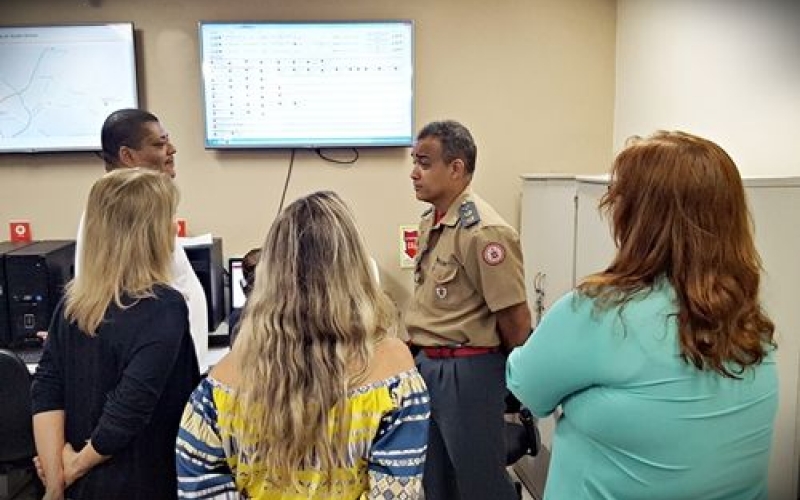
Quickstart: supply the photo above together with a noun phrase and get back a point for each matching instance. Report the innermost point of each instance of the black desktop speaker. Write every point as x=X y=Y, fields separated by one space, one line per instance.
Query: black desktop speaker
x=35 y=276
x=206 y=260
x=6 y=247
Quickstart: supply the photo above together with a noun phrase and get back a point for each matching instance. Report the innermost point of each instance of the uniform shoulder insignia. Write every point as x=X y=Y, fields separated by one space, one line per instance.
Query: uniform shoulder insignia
x=468 y=213
x=494 y=253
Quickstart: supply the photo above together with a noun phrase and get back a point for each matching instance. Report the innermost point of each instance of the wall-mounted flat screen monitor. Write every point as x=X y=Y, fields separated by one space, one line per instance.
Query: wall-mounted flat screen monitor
x=307 y=84
x=59 y=83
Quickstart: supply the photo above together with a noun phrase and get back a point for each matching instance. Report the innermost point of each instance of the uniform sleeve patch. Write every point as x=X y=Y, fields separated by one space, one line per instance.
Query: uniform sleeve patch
x=494 y=253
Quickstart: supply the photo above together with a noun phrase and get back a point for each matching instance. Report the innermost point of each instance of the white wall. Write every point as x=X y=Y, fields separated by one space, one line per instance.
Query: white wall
x=728 y=70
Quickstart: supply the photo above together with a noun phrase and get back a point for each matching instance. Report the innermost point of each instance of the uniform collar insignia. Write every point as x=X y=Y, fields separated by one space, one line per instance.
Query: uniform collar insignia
x=468 y=213
x=454 y=211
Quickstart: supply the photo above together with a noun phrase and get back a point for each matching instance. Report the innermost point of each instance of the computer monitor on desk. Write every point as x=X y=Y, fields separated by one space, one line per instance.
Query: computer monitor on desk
x=236 y=296
x=206 y=260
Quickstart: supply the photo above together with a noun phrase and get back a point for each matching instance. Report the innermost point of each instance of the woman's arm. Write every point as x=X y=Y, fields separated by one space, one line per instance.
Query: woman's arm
x=396 y=459
x=202 y=468
x=76 y=464
x=129 y=406
x=559 y=359
x=47 y=399
x=48 y=432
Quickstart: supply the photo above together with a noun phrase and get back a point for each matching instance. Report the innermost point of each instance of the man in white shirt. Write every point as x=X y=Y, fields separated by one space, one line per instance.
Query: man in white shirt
x=135 y=138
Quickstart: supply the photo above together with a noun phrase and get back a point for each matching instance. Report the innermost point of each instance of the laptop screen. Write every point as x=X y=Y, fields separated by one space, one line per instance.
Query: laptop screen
x=236 y=289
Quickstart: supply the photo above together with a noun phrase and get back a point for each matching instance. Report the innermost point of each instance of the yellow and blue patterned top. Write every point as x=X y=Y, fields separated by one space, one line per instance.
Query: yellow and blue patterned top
x=386 y=454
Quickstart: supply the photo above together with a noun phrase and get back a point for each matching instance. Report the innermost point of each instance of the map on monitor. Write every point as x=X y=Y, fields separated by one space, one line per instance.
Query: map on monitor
x=59 y=83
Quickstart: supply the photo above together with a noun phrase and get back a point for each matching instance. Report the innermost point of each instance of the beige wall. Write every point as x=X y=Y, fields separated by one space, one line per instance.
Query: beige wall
x=533 y=79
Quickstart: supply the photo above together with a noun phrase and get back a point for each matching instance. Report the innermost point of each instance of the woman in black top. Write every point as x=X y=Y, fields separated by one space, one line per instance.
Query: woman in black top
x=119 y=363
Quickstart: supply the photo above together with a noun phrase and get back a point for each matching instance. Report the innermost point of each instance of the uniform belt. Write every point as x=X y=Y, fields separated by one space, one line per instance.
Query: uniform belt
x=457 y=352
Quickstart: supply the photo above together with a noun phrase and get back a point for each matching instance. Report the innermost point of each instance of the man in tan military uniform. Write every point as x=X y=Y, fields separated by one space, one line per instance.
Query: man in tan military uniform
x=469 y=309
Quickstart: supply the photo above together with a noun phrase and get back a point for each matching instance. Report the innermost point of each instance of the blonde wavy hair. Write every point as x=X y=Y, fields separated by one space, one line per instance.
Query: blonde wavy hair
x=307 y=338
x=678 y=210
x=128 y=240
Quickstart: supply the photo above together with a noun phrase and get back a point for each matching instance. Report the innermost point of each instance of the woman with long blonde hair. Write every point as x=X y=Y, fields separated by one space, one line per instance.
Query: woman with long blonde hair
x=119 y=362
x=317 y=398
x=663 y=363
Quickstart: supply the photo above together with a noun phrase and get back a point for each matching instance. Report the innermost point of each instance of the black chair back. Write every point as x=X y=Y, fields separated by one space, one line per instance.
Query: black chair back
x=16 y=426
x=522 y=438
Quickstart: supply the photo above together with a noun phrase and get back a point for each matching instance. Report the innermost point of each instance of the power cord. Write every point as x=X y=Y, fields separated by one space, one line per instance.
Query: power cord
x=286 y=184
x=340 y=162
x=321 y=155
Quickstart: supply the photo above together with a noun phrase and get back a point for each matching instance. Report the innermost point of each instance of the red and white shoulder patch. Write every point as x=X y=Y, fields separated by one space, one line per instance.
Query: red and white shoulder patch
x=494 y=253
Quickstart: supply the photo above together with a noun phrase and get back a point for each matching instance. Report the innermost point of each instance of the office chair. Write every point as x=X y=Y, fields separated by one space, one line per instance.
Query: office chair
x=17 y=447
x=522 y=436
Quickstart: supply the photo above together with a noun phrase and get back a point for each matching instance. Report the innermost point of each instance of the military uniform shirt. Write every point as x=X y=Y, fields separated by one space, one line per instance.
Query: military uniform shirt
x=469 y=267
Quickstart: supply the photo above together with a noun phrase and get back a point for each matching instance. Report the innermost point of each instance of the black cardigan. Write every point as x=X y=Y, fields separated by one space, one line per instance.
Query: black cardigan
x=125 y=389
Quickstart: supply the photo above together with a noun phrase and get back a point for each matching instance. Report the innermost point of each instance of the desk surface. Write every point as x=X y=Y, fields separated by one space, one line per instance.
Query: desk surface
x=213 y=356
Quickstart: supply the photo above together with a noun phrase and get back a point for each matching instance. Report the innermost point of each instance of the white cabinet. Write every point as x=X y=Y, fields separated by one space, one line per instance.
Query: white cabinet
x=594 y=245
x=565 y=238
x=548 y=234
x=775 y=206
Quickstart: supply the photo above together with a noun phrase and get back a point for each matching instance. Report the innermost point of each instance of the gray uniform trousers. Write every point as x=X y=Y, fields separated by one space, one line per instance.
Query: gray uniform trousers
x=466 y=443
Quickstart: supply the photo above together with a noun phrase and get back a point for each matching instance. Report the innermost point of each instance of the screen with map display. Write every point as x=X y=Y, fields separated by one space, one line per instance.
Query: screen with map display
x=59 y=83
x=307 y=84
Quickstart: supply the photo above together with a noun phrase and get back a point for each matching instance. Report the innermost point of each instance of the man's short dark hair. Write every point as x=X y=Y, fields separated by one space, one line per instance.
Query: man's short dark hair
x=124 y=127
x=457 y=142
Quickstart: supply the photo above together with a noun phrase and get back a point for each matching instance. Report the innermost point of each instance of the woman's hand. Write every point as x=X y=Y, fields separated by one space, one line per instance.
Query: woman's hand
x=72 y=466
x=54 y=495
x=37 y=463
x=52 y=492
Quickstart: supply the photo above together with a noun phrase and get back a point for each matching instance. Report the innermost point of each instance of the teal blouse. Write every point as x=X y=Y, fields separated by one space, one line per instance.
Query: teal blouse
x=639 y=422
